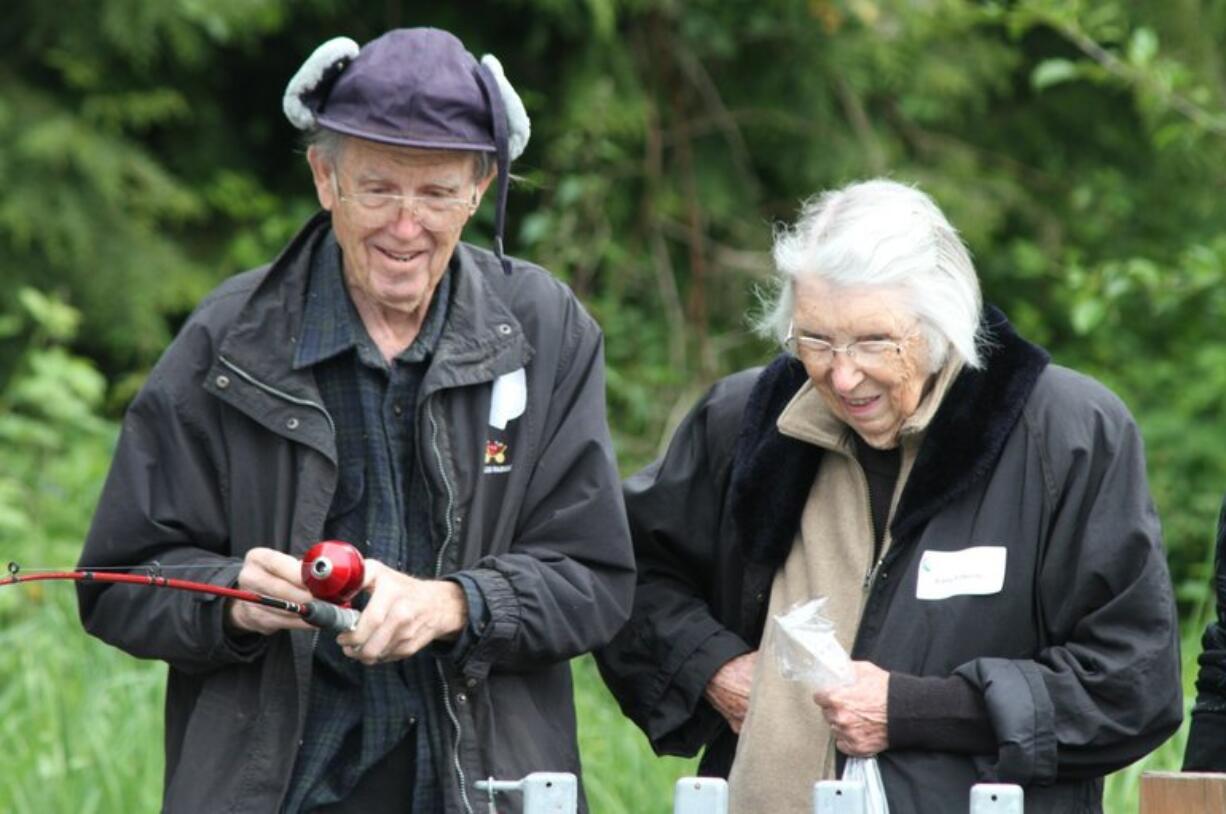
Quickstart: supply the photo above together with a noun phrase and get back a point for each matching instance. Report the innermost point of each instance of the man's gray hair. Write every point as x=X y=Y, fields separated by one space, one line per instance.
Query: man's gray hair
x=887 y=234
x=331 y=144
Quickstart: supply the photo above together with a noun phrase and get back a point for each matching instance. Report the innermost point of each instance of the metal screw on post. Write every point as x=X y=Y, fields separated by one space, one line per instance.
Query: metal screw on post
x=996 y=798
x=700 y=795
x=838 y=797
x=544 y=792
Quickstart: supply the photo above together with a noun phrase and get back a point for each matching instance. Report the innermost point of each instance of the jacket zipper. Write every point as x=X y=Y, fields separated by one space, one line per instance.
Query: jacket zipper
x=438 y=569
x=438 y=564
x=872 y=528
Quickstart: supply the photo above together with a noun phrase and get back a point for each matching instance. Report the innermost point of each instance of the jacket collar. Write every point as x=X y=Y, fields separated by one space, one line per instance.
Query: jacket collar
x=481 y=338
x=772 y=473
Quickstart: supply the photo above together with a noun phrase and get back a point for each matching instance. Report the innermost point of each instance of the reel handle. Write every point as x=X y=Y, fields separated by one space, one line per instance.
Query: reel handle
x=333 y=571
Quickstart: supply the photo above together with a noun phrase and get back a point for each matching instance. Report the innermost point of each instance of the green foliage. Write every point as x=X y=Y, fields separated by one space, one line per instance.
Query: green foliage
x=620 y=773
x=81 y=721
x=56 y=446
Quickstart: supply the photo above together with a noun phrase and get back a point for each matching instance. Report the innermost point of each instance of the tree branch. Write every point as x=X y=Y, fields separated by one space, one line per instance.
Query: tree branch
x=1118 y=68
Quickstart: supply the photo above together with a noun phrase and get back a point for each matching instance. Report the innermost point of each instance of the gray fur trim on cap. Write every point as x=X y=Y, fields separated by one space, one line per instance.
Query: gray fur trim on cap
x=330 y=56
x=519 y=128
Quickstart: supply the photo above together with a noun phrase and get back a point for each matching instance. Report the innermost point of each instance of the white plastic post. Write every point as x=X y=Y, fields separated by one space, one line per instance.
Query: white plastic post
x=544 y=792
x=838 y=797
x=700 y=795
x=997 y=798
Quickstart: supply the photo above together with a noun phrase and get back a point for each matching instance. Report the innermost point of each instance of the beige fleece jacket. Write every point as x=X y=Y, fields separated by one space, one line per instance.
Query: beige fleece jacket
x=785 y=745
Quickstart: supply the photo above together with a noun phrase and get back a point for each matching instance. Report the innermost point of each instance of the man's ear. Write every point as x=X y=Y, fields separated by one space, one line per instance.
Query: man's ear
x=321 y=173
x=485 y=182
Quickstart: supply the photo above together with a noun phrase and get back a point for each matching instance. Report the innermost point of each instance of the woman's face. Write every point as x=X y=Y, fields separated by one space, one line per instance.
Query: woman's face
x=874 y=388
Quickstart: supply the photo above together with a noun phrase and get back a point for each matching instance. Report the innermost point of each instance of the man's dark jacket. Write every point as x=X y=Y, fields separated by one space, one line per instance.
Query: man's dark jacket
x=227 y=448
x=1077 y=656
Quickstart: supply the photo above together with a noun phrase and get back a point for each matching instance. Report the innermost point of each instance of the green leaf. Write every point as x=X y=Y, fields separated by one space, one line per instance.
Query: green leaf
x=55 y=317
x=1053 y=72
x=1142 y=47
x=1087 y=315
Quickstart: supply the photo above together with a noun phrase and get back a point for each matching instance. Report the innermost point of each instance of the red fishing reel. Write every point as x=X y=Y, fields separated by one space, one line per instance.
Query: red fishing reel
x=333 y=571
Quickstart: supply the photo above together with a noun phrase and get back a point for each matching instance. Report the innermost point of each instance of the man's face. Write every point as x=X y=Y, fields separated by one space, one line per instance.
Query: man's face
x=393 y=259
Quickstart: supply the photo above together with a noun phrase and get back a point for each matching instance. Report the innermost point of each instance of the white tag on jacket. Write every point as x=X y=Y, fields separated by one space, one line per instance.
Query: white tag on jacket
x=970 y=572
x=509 y=398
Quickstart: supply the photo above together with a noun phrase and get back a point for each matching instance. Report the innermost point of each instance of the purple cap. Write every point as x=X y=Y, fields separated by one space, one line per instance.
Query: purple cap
x=416 y=87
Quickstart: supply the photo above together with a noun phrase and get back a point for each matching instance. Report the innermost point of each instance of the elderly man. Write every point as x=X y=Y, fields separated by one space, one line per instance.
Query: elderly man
x=384 y=383
x=977 y=518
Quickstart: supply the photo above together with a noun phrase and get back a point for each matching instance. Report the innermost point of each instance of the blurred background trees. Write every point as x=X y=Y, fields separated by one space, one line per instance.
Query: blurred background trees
x=1079 y=146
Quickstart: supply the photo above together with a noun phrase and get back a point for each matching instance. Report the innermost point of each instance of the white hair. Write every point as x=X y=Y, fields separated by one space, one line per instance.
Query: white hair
x=883 y=233
x=330 y=144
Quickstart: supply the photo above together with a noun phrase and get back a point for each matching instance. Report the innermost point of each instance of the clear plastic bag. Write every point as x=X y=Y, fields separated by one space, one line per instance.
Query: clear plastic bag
x=806 y=650
x=864 y=770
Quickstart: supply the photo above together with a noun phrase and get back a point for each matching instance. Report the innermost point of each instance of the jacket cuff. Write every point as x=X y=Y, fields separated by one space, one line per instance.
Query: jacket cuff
x=502 y=617
x=940 y=713
x=478 y=620
x=681 y=698
x=1023 y=718
x=231 y=645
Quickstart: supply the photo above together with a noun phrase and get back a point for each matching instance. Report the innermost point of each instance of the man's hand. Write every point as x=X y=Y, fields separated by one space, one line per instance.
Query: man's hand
x=404 y=615
x=271 y=573
x=857 y=712
x=728 y=689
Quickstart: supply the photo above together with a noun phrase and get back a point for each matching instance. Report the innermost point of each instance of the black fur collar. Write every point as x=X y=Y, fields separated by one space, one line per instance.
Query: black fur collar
x=772 y=473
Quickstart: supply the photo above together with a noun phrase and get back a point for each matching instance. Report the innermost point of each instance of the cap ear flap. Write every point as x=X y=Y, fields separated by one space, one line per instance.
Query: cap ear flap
x=519 y=128
x=307 y=90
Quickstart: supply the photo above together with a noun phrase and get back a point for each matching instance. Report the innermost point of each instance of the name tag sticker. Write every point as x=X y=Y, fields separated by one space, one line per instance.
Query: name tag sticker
x=509 y=399
x=974 y=571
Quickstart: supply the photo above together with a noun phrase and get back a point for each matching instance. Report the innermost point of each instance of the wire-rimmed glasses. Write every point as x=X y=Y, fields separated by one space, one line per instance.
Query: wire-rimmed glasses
x=435 y=213
x=867 y=354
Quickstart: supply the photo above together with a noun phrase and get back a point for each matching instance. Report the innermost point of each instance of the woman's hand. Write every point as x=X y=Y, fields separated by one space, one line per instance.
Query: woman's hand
x=728 y=689
x=857 y=712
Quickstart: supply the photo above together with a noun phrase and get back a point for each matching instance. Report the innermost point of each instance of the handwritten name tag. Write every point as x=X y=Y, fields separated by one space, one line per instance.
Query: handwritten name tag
x=974 y=571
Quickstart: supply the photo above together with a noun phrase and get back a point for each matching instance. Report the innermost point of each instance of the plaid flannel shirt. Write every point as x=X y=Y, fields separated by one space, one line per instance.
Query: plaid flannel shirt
x=357 y=713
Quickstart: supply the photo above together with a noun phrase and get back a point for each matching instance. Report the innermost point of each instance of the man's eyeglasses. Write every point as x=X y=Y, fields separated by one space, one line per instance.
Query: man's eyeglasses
x=435 y=213
x=867 y=354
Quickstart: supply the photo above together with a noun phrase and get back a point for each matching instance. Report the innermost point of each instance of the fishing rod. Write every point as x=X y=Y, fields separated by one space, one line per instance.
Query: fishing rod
x=332 y=571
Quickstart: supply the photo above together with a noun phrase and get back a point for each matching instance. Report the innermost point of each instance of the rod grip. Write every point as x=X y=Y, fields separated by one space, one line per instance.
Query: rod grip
x=329 y=617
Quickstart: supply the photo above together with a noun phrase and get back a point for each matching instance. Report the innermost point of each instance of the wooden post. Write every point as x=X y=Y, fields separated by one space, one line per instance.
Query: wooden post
x=1183 y=793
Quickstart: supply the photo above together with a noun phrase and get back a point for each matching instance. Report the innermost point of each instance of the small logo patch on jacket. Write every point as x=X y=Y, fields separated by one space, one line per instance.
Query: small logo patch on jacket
x=496 y=458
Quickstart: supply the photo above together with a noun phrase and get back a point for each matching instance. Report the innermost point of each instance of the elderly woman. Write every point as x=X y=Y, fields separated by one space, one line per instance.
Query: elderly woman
x=978 y=518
